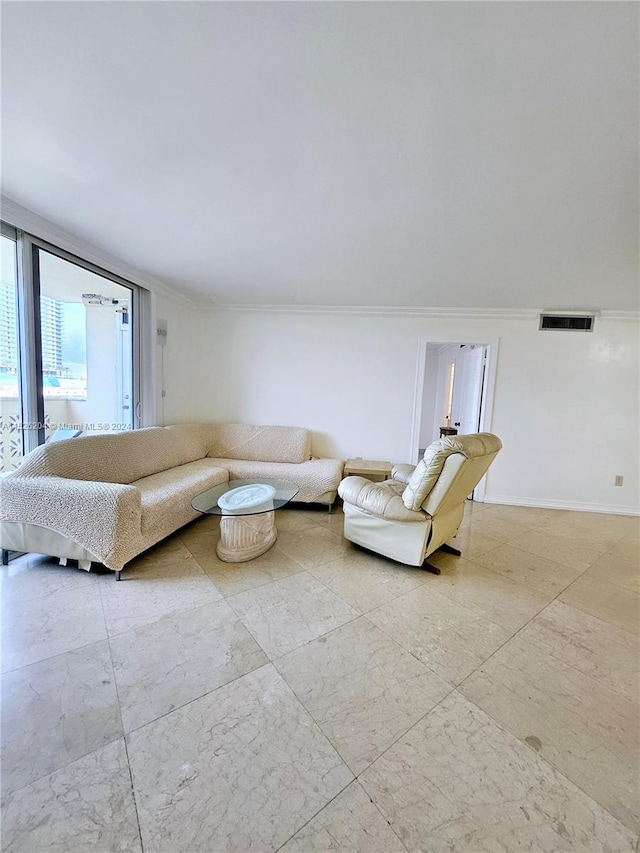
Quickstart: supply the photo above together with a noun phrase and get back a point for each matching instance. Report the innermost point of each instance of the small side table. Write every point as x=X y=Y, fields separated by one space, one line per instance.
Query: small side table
x=375 y=471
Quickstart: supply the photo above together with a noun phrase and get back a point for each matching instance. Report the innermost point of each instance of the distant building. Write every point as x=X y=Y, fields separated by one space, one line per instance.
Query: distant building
x=8 y=329
x=51 y=314
x=51 y=325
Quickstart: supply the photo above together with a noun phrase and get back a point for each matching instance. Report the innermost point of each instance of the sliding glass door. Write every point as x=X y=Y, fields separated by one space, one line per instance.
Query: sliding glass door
x=11 y=444
x=86 y=349
x=69 y=345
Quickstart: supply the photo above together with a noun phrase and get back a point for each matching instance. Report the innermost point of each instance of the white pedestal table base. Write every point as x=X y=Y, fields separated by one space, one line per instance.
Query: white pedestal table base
x=244 y=537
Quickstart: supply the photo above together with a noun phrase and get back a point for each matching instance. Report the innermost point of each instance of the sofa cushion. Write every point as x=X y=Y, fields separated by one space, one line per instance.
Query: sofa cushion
x=258 y=443
x=118 y=457
x=166 y=497
x=315 y=477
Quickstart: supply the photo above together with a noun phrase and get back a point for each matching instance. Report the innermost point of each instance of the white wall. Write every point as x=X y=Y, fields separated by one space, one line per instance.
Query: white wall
x=102 y=385
x=429 y=397
x=565 y=406
x=186 y=395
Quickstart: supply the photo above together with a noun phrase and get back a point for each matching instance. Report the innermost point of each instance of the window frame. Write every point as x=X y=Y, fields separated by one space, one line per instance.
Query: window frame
x=29 y=330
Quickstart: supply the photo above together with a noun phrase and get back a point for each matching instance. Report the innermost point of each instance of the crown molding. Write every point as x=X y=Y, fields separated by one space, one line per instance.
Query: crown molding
x=377 y=311
x=629 y=316
x=415 y=312
x=26 y=220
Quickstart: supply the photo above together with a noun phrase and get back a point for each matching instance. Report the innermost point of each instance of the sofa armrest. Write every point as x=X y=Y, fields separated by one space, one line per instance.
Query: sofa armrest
x=402 y=473
x=105 y=518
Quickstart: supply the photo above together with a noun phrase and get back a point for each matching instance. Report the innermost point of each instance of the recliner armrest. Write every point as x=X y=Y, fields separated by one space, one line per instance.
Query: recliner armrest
x=380 y=499
x=402 y=473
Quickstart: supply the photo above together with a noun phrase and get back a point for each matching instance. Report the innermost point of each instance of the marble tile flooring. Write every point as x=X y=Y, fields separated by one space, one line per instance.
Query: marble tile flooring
x=322 y=698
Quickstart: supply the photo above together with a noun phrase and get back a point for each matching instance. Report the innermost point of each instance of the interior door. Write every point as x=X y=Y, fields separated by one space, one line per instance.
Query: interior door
x=467 y=388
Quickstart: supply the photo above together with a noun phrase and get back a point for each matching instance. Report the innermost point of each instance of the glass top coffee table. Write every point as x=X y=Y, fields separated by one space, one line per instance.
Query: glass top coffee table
x=247 y=510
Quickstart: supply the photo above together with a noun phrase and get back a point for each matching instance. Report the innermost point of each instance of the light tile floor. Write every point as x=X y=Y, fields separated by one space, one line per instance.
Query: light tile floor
x=321 y=698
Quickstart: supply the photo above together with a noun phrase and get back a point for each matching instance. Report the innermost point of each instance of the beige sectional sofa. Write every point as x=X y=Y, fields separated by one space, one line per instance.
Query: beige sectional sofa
x=107 y=498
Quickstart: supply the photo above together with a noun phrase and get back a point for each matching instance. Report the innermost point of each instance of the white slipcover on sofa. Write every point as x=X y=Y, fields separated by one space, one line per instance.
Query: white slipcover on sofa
x=107 y=498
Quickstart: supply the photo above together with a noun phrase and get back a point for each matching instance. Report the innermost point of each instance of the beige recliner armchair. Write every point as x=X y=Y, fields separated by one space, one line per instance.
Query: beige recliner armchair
x=419 y=509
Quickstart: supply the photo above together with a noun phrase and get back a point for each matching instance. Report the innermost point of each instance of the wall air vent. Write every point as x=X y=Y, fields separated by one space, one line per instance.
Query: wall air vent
x=567 y=322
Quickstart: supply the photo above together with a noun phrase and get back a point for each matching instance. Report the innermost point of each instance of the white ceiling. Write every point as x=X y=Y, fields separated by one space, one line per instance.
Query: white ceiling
x=427 y=154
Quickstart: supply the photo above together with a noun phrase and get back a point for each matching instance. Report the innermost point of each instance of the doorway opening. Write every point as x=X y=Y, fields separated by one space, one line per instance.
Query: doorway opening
x=454 y=392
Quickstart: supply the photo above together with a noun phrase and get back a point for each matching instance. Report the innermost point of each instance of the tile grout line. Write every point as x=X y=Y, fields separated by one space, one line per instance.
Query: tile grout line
x=118 y=633
x=354 y=781
x=358 y=775
x=313 y=639
x=10 y=793
x=258 y=585
x=454 y=689
x=503 y=727
x=195 y=699
x=401 y=735
x=353 y=607
x=499 y=725
x=124 y=734
x=382 y=814
x=155 y=719
x=555 y=769
x=53 y=657
x=133 y=793
x=202 y=695
x=342 y=761
x=56 y=567
x=91 y=751
x=515 y=634
x=171 y=613
x=334 y=630
x=561 y=592
x=315 y=815
x=238 y=618
x=275 y=546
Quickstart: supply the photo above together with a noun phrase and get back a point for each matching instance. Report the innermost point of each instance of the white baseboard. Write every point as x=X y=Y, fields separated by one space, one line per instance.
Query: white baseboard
x=575 y=506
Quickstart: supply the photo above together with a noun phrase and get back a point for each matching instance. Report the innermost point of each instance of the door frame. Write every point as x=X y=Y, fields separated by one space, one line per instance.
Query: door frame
x=487 y=394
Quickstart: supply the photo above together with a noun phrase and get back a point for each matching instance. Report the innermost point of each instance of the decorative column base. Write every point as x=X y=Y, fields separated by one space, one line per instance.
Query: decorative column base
x=244 y=537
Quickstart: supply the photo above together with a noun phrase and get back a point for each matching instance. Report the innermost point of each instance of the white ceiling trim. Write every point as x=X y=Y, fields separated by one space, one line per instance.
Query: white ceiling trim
x=420 y=312
x=631 y=316
x=377 y=311
x=26 y=220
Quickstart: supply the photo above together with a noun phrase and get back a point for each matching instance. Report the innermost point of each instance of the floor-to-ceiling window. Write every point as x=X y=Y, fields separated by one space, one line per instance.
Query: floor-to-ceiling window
x=11 y=449
x=68 y=347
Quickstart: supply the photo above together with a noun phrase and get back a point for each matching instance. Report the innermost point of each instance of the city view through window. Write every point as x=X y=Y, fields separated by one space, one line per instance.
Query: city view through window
x=86 y=376
x=64 y=346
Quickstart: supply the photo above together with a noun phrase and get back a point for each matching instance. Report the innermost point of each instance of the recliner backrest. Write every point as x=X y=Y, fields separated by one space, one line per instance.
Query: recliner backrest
x=449 y=471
